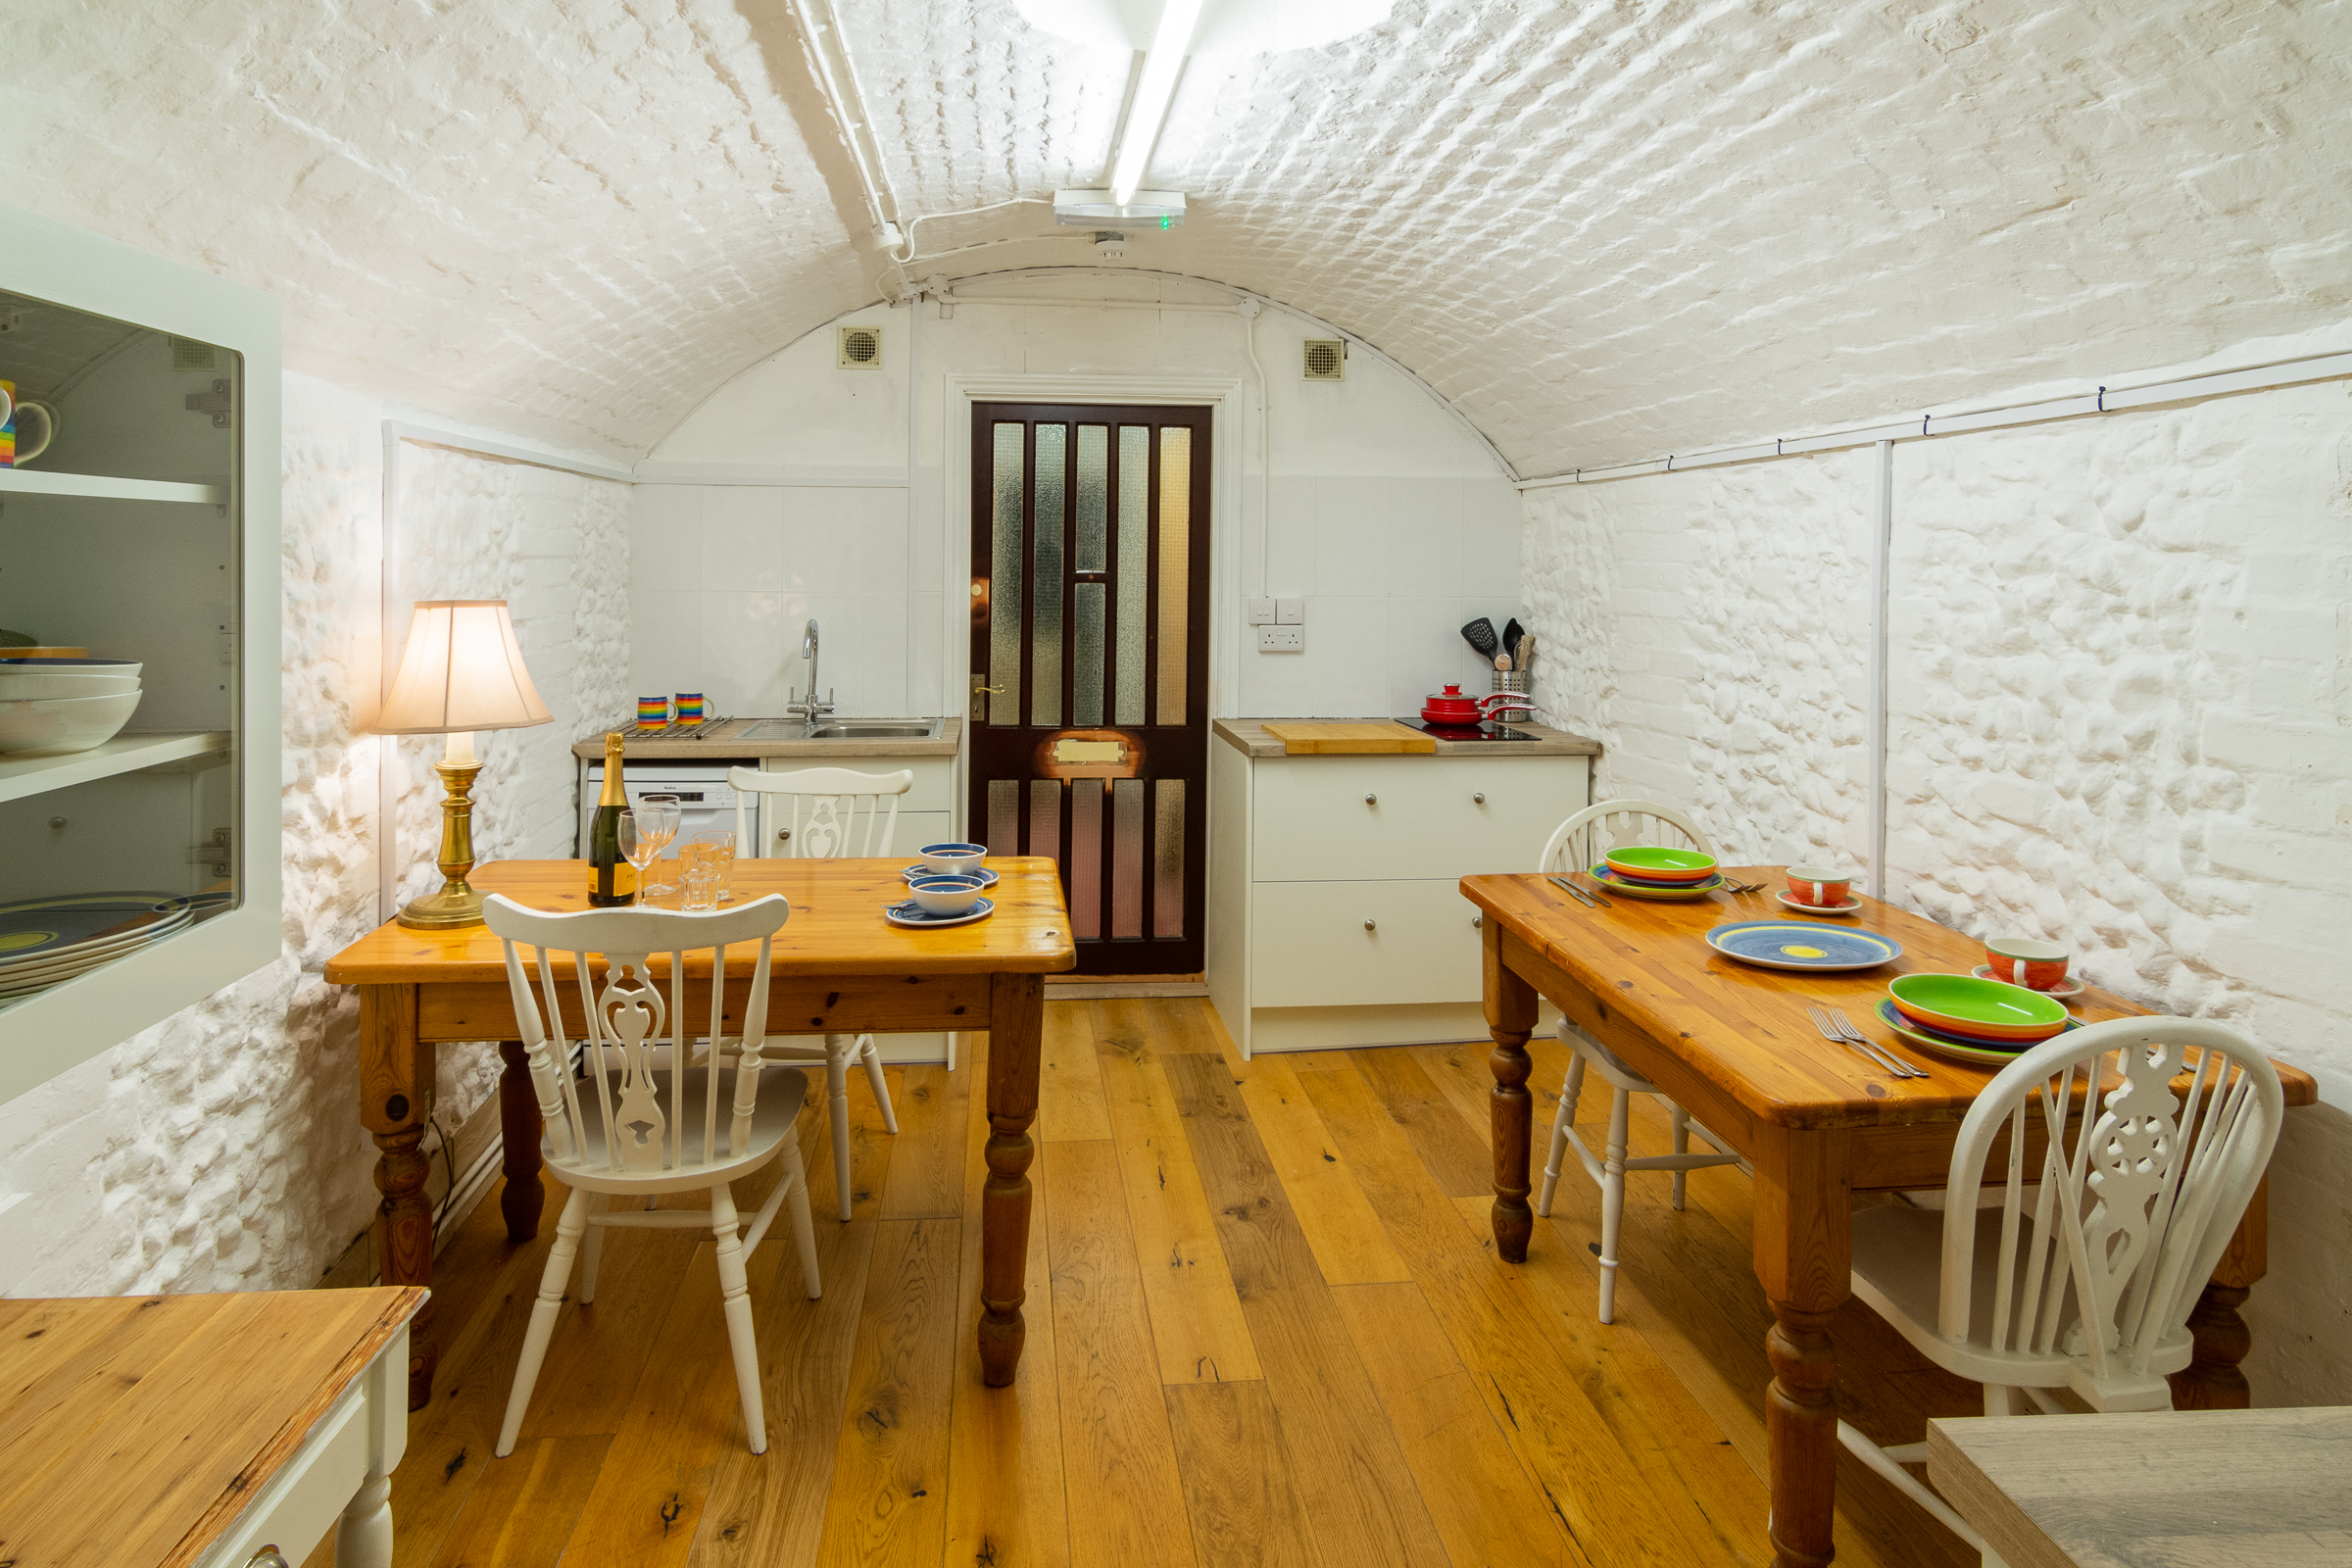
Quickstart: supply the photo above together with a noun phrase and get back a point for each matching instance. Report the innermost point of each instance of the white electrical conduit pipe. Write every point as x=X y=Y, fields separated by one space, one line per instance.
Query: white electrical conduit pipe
x=837 y=79
x=2103 y=400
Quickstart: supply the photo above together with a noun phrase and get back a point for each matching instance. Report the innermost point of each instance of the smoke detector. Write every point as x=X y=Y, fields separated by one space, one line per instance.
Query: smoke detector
x=1111 y=244
x=860 y=348
x=1323 y=358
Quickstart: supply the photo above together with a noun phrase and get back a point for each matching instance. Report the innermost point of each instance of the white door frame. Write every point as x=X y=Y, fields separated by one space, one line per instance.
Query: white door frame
x=960 y=389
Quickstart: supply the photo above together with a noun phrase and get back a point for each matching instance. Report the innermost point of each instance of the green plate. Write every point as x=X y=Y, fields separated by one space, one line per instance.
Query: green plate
x=1951 y=1046
x=1966 y=1004
x=1646 y=860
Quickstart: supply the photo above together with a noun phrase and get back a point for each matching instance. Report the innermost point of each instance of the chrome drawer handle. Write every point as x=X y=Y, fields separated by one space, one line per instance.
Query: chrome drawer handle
x=1479 y=799
x=1476 y=920
x=268 y=1557
x=1371 y=800
x=1367 y=925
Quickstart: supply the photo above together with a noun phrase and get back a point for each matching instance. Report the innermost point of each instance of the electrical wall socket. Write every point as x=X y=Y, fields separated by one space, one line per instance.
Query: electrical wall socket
x=1290 y=611
x=1261 y=612
x=1282 y=639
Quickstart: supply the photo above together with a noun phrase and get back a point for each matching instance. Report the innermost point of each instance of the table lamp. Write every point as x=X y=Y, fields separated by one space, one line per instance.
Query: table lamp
x=461 y=672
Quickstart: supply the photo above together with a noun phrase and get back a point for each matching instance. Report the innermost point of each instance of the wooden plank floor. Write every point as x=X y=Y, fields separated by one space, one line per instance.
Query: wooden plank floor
x=1267 y=1326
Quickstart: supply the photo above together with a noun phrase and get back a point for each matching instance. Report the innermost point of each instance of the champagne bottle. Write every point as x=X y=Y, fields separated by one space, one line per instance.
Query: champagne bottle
x=611 y=879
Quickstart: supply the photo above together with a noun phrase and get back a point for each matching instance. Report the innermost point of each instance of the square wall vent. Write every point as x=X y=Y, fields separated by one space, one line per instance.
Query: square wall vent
x=860 y=348
x=1324 y=358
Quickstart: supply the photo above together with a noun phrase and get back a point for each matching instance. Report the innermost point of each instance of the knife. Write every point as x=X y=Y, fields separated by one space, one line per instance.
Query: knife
x=1573 y=891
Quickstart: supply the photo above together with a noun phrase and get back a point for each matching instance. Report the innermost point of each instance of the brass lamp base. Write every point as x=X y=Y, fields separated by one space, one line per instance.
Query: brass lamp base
x=457 y=904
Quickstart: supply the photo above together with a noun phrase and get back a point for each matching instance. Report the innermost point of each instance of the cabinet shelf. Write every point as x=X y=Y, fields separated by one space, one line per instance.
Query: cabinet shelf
x=20 y=776
x=41 y=482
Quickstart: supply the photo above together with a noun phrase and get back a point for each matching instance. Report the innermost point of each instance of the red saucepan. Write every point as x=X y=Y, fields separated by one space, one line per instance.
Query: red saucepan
x=1450 y=706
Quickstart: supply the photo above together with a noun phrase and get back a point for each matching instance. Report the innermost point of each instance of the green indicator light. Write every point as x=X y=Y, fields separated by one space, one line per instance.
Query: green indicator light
x=1167 y=222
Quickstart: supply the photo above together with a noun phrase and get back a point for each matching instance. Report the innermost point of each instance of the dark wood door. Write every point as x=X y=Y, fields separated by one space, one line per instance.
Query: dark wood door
x=1090 y=666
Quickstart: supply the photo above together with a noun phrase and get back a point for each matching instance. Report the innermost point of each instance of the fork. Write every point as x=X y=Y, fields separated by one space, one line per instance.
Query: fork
x=1834 y=1025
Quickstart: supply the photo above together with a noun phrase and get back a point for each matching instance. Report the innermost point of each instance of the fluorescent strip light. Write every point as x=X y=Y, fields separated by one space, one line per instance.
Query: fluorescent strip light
x=1161 y=65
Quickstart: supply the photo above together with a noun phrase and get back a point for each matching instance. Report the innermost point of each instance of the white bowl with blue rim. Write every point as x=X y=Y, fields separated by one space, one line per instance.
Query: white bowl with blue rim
x=953 y=857
x=945 y=896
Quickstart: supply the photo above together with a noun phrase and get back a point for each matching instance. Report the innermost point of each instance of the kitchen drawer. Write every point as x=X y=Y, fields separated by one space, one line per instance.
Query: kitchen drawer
x=1425 y=817
x=914 y=830
x=1310 y=945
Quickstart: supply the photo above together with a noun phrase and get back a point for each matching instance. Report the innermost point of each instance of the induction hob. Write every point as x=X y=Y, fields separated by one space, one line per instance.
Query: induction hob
x=1469 y=732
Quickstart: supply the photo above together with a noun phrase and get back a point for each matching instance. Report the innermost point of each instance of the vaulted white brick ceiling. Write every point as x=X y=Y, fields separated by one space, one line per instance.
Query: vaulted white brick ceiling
x=1603 y=231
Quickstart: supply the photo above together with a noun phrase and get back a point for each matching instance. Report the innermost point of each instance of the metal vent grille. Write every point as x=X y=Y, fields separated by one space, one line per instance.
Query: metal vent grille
x=1324 y=358
x=189 y=355
x=860 y=348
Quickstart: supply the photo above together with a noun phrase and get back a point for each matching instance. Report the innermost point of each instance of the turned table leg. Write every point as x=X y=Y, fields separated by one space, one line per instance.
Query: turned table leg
x=1016 y=1021
x=396 y=1073
x=1804 y=1257
x=519 y=1128
x=1511 y=1017
x=2212 y=1380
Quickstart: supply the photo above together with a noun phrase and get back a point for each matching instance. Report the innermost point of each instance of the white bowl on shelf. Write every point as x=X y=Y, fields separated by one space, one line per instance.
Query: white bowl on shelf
x=29 y=685
x=56 y=725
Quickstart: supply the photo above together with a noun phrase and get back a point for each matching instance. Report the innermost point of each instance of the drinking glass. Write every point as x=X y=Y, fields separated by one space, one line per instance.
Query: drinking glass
x=717 y=845
x=640 y=842
x=659 y=814
x=700 y=874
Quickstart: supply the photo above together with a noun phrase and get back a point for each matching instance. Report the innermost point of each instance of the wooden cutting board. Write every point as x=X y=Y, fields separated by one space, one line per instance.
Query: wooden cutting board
x=1324 y=740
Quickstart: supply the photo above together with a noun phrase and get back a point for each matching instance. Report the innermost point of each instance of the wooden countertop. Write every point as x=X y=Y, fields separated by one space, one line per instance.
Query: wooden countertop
x=723 y=742
x=134 y=1429
x=1248 y=736
x=2153 y=1489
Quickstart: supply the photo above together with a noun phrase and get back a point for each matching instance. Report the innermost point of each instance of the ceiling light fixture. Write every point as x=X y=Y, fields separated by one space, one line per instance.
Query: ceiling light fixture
x=1163 y=63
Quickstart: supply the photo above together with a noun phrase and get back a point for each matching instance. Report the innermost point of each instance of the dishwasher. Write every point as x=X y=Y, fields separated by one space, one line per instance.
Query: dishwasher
x=706 y=799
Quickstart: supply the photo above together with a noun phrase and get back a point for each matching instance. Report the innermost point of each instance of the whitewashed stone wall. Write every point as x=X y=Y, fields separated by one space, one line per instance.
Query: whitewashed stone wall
x=2121 y=716
x=219 y=1149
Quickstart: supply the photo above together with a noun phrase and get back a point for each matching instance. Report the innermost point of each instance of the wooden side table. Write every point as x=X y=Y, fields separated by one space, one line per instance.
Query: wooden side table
x=202 y=1431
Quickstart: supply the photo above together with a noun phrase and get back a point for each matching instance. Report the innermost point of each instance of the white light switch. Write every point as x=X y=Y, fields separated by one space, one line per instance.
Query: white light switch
x=1290 y=611
x=1261 y=612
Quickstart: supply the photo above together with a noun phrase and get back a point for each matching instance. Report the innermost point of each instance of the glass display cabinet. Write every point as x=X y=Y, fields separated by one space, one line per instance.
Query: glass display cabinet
x=138 y=642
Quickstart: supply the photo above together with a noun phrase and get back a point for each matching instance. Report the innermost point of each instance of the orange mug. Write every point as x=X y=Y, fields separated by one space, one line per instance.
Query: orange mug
x=2025 y=962
x=1823 y=887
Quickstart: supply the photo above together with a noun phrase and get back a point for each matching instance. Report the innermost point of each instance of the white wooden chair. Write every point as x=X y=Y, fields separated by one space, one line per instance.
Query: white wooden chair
x=2073 y=1293
x=642 y=1119
x=813 y=813
x=1575 y=845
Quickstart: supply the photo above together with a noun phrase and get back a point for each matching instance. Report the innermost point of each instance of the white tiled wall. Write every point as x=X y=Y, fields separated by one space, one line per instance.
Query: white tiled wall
x=1392 y=570
x=723 y=579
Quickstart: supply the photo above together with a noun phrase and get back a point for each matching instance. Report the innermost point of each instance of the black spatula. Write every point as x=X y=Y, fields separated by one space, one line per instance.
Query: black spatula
x=1511 y=634
x=1480 y=634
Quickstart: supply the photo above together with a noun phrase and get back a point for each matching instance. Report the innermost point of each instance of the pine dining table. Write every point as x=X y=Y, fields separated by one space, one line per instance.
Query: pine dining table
x=1734 y=1045
x=838 y=968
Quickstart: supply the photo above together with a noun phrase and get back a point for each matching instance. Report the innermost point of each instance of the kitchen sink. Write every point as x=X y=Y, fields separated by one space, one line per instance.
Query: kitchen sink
x=844 y=729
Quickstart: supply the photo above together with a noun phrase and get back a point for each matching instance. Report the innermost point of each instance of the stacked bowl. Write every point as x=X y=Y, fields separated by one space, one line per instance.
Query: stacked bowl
x=55 y=706
x=1985 y=1021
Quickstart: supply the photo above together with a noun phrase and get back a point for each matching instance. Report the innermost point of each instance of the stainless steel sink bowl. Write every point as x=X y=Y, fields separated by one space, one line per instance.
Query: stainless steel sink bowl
x=845 y=729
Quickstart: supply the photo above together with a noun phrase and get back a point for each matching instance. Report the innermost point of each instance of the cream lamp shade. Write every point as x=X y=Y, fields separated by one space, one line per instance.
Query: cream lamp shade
x=461 y=671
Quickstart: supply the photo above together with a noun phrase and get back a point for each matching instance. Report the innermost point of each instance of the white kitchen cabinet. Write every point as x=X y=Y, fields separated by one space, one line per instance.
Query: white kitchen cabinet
x=147 y=533
x=1336 y=916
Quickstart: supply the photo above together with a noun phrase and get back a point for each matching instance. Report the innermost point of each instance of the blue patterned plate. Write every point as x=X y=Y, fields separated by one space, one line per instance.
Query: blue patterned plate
x=1803 y=945
x=913 y=916
x=1974 y=1053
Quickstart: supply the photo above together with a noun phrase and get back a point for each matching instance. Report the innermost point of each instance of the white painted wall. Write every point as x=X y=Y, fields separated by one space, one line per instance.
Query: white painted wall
x=2121 y=699
x=222 y=1149
x=1390 y=516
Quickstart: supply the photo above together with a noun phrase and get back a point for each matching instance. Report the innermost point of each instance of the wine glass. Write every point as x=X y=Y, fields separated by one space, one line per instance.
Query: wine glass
x=657 y=819
x=640 y=841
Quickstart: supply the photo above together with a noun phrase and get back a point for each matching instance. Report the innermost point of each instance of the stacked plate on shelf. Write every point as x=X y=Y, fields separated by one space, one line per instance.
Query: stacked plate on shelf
x=64 y=704
x=46 y=942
